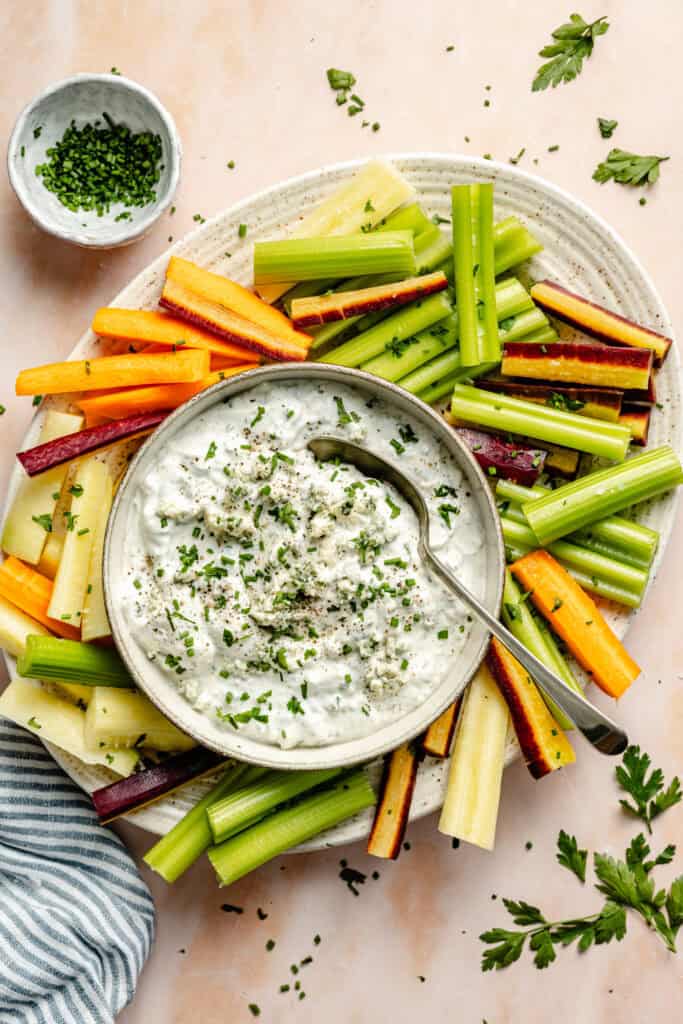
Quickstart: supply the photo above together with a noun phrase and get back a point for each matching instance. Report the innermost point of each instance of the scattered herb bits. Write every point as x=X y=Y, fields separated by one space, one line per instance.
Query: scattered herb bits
x=99 y=165
x=606 y=127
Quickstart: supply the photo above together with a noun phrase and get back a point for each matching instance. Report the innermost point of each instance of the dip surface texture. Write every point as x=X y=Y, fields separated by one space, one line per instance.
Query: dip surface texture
x=282 y=596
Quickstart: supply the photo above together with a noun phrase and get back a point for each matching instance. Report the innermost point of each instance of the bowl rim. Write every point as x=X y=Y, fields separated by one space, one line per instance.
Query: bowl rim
x=338 y=754
x=139 y=227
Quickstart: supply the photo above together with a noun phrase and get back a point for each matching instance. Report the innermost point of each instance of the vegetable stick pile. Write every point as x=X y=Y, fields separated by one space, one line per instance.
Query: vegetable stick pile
x=367 y=281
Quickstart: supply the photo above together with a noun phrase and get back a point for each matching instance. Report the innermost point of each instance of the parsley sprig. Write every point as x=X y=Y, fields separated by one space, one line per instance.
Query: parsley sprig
x=626 y=884
x=573 y=43
x=649 y=796
x=628 y=168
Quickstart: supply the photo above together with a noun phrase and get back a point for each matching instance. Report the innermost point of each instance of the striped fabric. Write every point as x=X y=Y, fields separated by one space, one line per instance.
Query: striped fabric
x=76 y=920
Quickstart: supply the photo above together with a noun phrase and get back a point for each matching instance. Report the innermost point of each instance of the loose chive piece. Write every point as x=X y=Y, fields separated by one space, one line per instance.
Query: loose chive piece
x=474 y=269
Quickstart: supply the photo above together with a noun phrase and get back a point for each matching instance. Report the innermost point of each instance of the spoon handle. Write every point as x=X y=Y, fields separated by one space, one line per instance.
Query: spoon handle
x=598 y=729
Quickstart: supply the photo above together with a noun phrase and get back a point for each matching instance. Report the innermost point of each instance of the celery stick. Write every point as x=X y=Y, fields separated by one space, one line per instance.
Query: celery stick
x=175 y=852
x=423 y=347
x=512 y=302
x=516 y=416
x=522 y=623
x=445 y=385
x=346 y=210
x=336 y=256
x=613 y=536
x=557 y=661
x=628 y=555
x=512 y=298
x=590 y=562
x=585 y=539
x=427 y=250
x=283 y=829
x=49 y=657
x=600 y=494
x=513 y=244
x=522 y=325
x=391 y=333
x=238 y=811
x=305 y=288
x=516 y=247
x=543 y=336
x=603 y=588
x=432 y=372
x=433 y=251
x=407 y=218
x=474 y=269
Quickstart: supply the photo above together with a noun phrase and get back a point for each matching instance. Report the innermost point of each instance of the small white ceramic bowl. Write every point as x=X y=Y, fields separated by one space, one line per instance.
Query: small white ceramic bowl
x=84 y=98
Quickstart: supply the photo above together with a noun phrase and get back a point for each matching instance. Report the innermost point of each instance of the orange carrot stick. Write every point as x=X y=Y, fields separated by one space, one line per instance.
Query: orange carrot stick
x=229 y=325
x=575 y=617
x=117 y=404
x=144 y=325
x=114 y=371
x=236 y=298
x=227 y=362
x=31 y=592
x=544 y=746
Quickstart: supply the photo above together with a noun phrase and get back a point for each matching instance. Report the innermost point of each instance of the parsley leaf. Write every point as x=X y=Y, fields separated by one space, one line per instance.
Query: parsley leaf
x=524 y=913
x=573 y=43
x=648 y=795
x=607 y=127
x=628 y=168
x=674 y=905
x=570 y=856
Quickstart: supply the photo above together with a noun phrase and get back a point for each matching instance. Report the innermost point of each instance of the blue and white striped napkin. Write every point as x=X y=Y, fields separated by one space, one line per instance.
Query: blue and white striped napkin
x=76 y=919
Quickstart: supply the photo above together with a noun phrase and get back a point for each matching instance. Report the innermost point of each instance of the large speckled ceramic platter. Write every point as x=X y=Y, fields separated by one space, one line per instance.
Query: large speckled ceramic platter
x=580 y=251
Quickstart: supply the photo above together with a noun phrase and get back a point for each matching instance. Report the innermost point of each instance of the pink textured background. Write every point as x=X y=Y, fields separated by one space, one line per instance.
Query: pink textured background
x=245 y=81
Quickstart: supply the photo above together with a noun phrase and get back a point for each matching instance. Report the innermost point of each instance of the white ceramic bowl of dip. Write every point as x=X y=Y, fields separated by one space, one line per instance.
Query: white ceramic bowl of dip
x=212 y=733
x=84 y=98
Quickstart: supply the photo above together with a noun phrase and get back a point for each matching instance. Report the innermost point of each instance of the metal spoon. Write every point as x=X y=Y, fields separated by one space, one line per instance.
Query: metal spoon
x=598 y=729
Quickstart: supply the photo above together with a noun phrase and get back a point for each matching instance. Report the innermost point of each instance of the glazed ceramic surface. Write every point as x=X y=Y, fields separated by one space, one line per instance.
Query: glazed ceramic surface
x=580 y=250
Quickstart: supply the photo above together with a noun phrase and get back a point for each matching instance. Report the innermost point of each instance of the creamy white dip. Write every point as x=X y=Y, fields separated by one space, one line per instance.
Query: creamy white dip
x=283 y=596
